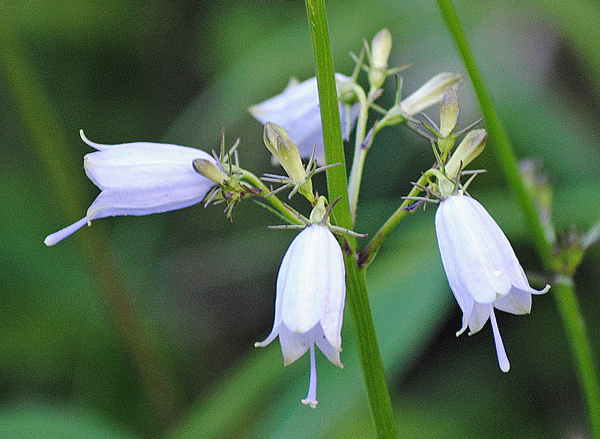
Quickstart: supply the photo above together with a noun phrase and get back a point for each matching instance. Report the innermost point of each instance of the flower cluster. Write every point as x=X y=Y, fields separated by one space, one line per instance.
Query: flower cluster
x=482 y=269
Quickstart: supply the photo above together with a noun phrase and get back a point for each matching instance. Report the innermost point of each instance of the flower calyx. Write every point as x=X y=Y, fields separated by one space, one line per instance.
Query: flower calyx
x=228 y=178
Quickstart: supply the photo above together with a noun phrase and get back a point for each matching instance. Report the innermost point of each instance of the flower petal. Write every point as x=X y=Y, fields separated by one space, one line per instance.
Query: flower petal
x=300 y=280
x=143 y=165
x=293 y=344
x=461 y=256
x=332 y=353
x=297 y=111
x=335 y=288
x=149 y=201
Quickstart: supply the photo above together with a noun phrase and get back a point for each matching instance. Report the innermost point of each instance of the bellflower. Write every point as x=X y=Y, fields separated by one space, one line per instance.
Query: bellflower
x=309 y=305
x=140 y=179
x=297 y=111
x=481 y=266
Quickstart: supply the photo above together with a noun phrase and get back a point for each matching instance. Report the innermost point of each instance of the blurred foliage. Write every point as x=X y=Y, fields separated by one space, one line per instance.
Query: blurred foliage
x=144 y=327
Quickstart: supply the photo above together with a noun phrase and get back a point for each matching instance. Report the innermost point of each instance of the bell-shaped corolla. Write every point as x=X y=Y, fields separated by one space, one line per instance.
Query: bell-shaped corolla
x=481 y=266
x=140 y=179
x=309 y=305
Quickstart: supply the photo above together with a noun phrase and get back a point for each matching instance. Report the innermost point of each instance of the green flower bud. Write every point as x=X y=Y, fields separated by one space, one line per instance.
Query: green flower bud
x=430 y=93
x=319 y=211
x=211 y=171
x=381 y=47
x=285 y=151
x=449 y=111
x=470 y=147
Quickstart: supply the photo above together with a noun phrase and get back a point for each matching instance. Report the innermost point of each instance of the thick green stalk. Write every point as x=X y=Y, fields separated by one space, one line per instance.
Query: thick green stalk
x=337 y=180
x=566 y=300
x=563 y=293
x=337 y=184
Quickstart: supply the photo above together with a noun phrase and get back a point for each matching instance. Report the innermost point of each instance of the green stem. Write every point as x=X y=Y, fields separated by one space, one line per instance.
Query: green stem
x=272 y=199
x=337 y=181
x=360 y=152
x=370 y=358
x=369 y=354
x=563 y=291
x=371 y=249
x=568 y=305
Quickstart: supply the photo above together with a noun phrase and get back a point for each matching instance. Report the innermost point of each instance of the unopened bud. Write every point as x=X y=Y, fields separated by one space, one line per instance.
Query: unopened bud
x=285 y=151
x=449 y=111
x=319 y=211
x=470 y=147
x=430 y=93
x=381 y=46
x=211 y=171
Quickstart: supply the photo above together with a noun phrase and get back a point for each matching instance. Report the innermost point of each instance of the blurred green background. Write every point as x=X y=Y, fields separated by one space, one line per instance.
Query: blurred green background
x=144 y=326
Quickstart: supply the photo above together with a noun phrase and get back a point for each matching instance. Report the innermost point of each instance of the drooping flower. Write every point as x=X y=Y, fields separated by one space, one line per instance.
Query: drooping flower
x=309 y=304
x=140 y=179
x=297 y=111
x=481 y=266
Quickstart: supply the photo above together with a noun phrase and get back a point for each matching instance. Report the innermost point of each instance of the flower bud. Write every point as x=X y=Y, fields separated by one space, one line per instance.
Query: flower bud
x=210 y=170
x=297 y=110
x=449 y=111
x=381 y=46
x=285 y=151
x=430 y=93
x=319 y=211
x=470 y=147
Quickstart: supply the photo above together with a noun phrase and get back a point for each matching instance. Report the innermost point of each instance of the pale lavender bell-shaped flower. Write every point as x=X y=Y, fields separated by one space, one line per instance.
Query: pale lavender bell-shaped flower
x=140 y=179
x=297 y=111
x=481 y=266
x=309 y=305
